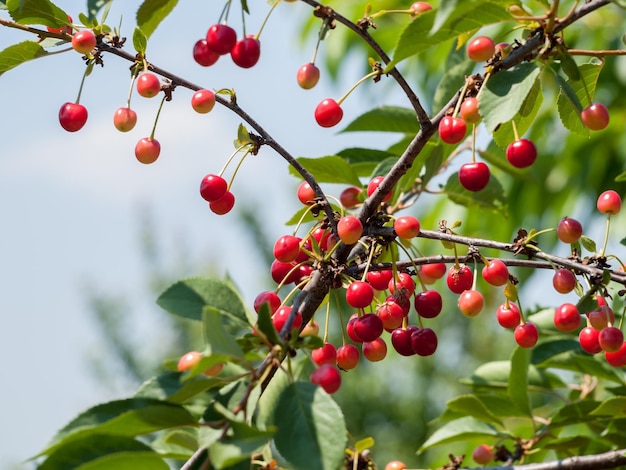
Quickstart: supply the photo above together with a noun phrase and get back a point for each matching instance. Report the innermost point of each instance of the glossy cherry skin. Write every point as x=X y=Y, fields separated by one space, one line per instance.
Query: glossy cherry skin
x=428 y=304
x=471 y=302
x=327 y=354
x=617 y=358
x=481 y=49
x=147 y=150
x=418 y=8
x=588 y=338
x=203 y=101
x=469 y=111
x=521 y=153
x=459 y=278
x=328 y=113
x=611 y=339
x=359 y=294
x=452 y=130
x=526 y=334
x=368 y=327
x=268 y=298
x=124 y=119
x=221 y=38
x=348 y=356
x=379 y=280
x=424 y=341
x=483 y=454
x=203 y=54
x=595 y=117
x=349 y=229
x=474 y=176
x=213 y=187
x=566 y=317
x=148 y=85
x=569 y=230
x=308 y=75
x=246 y=53
x=72 y=116
x=374 y=184
x=84 y=41
x=328 y=377
x=495 y=273
x=407 y=226
x=508 y=316
x=563 y=281
x=609 y=202
x=224 y=204
x=401 y=340
x=349 y=197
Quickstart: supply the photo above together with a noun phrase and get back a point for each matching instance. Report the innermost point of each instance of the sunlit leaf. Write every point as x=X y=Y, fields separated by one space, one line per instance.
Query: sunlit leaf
x=36 y=12
x=459 y=430
x=152 y=12
x=17 y=54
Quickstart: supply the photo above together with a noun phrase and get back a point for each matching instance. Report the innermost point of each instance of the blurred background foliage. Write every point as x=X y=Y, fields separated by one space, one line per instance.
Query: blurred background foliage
x=394 y=401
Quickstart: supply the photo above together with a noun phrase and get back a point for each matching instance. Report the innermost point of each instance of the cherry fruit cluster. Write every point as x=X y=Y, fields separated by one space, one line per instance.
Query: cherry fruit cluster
x=221 y=40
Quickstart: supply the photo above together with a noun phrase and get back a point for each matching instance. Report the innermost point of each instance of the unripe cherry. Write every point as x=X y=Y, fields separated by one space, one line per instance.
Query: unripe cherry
x=375 y=350
x=471 y=303
x=203 y=101
x=481 y=49
x=569 y=230
x=349 y=229
x=308 y=75
x=84 y=41
x=124 y=119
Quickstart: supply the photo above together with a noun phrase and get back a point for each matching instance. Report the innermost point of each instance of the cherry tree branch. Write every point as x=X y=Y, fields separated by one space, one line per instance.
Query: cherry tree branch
x=606 y=460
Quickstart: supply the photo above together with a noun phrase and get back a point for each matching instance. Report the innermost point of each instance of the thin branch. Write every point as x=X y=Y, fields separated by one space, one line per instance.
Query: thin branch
x=606 y=460
x=602 y=53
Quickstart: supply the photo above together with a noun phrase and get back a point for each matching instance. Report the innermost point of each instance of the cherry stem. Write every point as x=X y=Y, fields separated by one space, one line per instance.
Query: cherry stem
x=156 y=120
x=369 y=262
x=266 y=18
x=327 y=321
x=82 y=82
x=460 y=100
x=225 y=11
x=320 y=37
x=515 y=133
x=606 y=234
x=366 y=77
x=232 y=179
x=130 y=90
x=473 y=143
x=230 y=159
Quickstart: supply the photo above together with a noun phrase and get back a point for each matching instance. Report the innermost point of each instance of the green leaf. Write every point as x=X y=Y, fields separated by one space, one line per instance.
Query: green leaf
x=266 y=326
x=491 y=197
x=505 y=93
x=130 y=417
x=169 y=387
x=574 y=94
x=474 y=14
x=470 y=405
x=152 y=12
x=496 y=375
x=569 y=65
x=19 y=53
x=362 y=160
x=615 y=407
x=177 y=444
x=243 y=441
x=458 y=430
x=573 y=413
x=312 y=432
x=523 y=119
x=583 y=363
x=187 y=298
x=94 y=6
x=450 y=81
x=104 y=452
x=588 y=244
x=36 y=12
x=547 y=349
x=620 y=3
x=140 y=41
x=385 y=119
x=331 y=169
x=518 y=379
x=216 y=338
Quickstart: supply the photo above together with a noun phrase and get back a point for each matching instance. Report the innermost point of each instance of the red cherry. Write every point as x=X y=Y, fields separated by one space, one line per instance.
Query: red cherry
x=350 y=329
x=407 y=226
x=391 y=314
x=452 y=130
x=368 y=327
x=221 y=38
x=569 y=230
x=588 y=338
x=287 y=248
x=611 y=339
x=404 y=282
x=308 y=75
x=224 y=204
x=327 y=354
x=471 y=303
x=617 y=358
x=469 y=111
x=401 y=298
x=305 y=193
x=428 y=304
x=271 y=299
x=595 y=117
x=72 y=116
x=328 y=377
x=328 y=113
x=203 y=54
x=281 y=272
x=508 y=316
x=416 y=9
x=495 y=273
x=67 y=28
x=349 y=197
x=148 y=85
x=349 y=229
x=521 y=153
x=483 y=454
x=429 y=273
x=124 y=119
x=373 y=184
x=213 y=187
x=203 y=101
x=359 y=294
x=460 y=278
x=566 y=318
x=84 y=41
x=147 y=150
x=609 y=202
x=379 y=280
x=374 y=351
x=474 y=176
x=279 y=319
x=600 y=318
x=564 y=281
x=188 y=361
x=401 y=340
x=526 y=335
x=347 y=356
x=424 y=341
x=481 y=49
x=246 y=52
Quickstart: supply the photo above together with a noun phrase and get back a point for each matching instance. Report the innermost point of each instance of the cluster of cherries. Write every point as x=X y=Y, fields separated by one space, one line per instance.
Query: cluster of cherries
x=221 y=40
x=521 y=153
